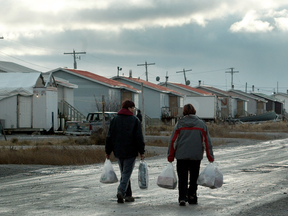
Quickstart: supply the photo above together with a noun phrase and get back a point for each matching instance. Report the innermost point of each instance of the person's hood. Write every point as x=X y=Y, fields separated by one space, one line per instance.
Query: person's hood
x=124 y=111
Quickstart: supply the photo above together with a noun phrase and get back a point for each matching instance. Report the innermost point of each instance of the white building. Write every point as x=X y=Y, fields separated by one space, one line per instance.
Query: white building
x=27 y=103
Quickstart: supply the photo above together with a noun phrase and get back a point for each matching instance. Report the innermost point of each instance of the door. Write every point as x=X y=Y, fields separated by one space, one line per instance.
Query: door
x=25 y=112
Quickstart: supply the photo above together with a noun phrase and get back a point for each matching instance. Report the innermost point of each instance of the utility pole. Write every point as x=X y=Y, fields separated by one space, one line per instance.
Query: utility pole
x=166 y=77
x=74 y=56
x=184 y=72
x=146 y=68
x=143 y=112
x=232 y=72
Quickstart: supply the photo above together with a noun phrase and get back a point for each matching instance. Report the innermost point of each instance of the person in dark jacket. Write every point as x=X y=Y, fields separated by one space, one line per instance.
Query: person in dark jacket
x=186 y=145
x=139 y=115
x=125 y=139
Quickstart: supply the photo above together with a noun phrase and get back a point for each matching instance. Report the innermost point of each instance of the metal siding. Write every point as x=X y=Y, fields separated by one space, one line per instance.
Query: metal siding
x=252 y=107
x=152 y=100
x=205 y=106
x=25 y=112
x=39 y=108
x=69 y=95
x=113 y=103
x=136 y=100
x=152 y=105
x=88 y=95
x=51 y=106
x=8 y=111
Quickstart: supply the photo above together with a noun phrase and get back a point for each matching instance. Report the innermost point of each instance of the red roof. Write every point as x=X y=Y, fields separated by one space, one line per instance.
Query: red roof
x=101 y=78
x=155 y=86
x=192 y=89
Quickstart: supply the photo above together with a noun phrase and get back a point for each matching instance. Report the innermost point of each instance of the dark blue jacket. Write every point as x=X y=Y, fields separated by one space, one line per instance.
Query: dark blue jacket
x=125 y=136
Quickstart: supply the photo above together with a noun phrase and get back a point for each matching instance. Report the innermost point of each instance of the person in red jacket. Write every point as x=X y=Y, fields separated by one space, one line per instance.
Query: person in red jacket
x=125 y=139
x=186 y=145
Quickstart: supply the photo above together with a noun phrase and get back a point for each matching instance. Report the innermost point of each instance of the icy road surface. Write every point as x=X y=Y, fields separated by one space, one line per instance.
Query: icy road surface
x=255 y=175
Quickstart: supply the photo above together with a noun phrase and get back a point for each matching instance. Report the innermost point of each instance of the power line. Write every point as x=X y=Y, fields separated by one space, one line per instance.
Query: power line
x=24 y=60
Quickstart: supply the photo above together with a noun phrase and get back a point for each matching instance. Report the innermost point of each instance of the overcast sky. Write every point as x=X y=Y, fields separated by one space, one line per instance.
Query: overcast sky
x=208 y=36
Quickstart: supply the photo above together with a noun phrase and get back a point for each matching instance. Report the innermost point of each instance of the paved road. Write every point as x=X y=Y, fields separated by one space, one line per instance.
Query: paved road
x=255 y=175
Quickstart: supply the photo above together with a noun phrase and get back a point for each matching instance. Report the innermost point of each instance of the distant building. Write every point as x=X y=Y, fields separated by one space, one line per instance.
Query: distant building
x=205 y=103
x=159 y=101
x=92 y=88
x=27 y=102
x=255 y=105
x=273 y=103
x=282 y=97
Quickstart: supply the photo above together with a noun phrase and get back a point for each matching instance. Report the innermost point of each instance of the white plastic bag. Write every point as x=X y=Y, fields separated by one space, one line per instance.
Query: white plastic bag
x=108 y=175
x=210 y=177
x=143 y=178
x=167 y=178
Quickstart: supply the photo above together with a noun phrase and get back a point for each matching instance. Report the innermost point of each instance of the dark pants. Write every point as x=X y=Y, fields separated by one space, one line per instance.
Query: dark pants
x=126 y=166
x=183 y=166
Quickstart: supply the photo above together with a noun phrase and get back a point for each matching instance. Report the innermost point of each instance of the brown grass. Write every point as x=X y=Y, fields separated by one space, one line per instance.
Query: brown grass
x=55 y=156
x=67 y=151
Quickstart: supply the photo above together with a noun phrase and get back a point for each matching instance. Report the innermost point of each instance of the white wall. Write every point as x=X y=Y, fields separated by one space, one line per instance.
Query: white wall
x=25 y=111
x=44 y=103
x=205 y=106
x=8 y=111
x=52 y=106
x=39 y=108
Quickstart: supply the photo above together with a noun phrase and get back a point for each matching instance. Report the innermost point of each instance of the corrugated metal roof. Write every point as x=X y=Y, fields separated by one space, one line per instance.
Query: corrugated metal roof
x=101 y=79
x=152 y=85
x=192 y=89
x=13 y=67
x=267 y=97
x=248 y=95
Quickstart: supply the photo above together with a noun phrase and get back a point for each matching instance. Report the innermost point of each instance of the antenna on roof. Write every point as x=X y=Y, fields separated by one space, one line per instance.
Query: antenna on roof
x=118 y=69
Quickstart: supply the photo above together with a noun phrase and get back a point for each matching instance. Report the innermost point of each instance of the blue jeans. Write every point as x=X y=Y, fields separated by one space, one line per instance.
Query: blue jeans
x=126 y=166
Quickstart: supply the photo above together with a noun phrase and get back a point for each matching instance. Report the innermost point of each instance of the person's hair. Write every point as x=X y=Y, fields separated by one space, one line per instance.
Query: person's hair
x=139 y=111
x=128 y=103
x=189 y=109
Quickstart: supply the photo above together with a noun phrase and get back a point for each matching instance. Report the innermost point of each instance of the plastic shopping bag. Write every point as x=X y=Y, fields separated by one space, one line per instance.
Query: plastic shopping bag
x=167 y=178
x=210 y=177
x=108 y=175
x=143 y=179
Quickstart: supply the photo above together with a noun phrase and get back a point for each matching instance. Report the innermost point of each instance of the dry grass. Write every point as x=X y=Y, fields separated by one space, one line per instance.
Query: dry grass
x=67 y=151
x=55 y=156
x=247 y=131
x=159 y=130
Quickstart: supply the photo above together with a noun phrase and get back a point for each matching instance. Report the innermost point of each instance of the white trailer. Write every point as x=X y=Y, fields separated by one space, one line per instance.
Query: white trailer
x=27 y=104
x=206 y=106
